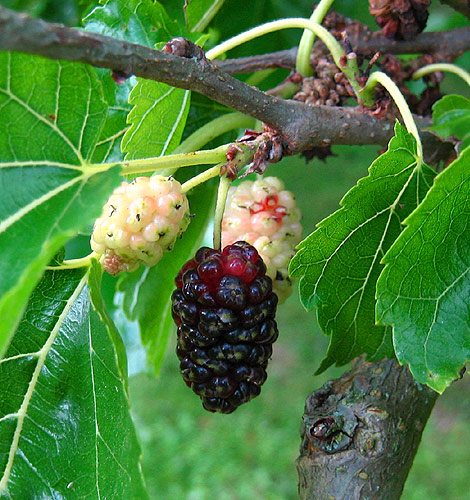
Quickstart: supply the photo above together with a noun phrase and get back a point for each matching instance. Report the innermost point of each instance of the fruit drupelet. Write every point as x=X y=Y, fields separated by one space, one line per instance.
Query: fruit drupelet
x=224 y=308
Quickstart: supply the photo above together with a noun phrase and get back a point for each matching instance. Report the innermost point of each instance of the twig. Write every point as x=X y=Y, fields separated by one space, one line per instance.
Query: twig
x=302 y=127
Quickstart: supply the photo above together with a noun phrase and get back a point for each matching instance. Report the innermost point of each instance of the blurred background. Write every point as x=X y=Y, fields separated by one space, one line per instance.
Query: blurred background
x=190 y=454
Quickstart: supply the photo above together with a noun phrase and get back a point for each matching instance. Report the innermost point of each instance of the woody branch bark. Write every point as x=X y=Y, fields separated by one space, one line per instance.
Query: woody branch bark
x=360 y=433
x=301 y=126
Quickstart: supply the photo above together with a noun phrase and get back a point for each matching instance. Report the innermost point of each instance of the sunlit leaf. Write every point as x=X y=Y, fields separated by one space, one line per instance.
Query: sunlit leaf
x=49 y=191
x=157 y=119
x=340 y=262
x=424 y=288
x=137 y=21
x=65 y=428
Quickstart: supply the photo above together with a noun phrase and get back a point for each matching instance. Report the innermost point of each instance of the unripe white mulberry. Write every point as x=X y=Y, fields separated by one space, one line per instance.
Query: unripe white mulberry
x=262 y=213
x=140 y=221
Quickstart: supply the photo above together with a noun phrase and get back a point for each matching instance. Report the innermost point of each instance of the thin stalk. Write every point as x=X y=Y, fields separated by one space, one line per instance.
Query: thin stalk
x=202 y=177
x=444 y=67
x=74 y=263
x=325 y=36
x=213 y=129
x=203 y=157
x=295 y=22
x=402 y=105
x=222 y=192
x=302 y=63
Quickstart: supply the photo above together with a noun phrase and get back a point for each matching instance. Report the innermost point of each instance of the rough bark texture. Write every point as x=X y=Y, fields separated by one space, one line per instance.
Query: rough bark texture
x=302 y=127
x=360 y=433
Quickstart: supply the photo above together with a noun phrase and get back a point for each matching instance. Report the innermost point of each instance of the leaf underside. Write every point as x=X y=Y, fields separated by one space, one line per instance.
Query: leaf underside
x=340 y=262
x=424 y=289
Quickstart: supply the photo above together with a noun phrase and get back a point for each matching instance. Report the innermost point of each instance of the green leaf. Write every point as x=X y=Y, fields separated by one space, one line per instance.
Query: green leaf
x=32 y=7
x=199 y=13
x=137 y=21
x=49 y=191
x=424 y=288
x=65 y=427
x=94 y=283
x=147 y=292
x=340 y=262
x=451 y=116
x=157 y=119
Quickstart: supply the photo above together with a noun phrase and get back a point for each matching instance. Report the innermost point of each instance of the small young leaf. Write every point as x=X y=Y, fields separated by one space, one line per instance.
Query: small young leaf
x=65 y=427
x=451 y=116
x=146 y=293
x=157 y=119
x=49 y=191
x=424 y=288
x=340 y=262
x=199 y=13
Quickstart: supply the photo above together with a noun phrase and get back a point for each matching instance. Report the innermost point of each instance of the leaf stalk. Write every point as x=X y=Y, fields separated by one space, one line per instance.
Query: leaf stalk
x=398 y=98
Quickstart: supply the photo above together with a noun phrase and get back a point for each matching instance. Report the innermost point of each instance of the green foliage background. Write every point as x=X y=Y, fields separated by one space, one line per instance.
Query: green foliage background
x=192 y=455
x=250 y=454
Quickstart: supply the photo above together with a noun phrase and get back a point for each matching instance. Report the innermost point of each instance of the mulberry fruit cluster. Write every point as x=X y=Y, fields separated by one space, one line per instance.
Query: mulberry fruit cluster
x=224 y=308
x=140 y=221
x=262 y=213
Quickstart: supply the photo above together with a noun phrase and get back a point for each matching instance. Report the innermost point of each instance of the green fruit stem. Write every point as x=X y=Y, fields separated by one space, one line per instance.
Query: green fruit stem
x=444 y=67
x=384 y=80
x=74 y=263
x=210 y=173
x=302 y=63
x=222 y=193
x=348 y=67
x=203 y=157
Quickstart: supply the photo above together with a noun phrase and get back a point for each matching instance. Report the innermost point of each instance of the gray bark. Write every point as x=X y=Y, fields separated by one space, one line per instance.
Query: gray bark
x=360 y=433
x=301 y=127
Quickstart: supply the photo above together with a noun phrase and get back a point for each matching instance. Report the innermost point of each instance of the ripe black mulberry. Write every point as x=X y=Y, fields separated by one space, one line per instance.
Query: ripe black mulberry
x=224 y=308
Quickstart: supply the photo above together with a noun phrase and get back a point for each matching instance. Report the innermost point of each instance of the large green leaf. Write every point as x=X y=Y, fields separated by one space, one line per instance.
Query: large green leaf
x=52 y=114
x=199 y=13
x=157 y=119
x=424 y=288
x=340 y=262
x=65 y=427
x=146 y=293
x=451 y=117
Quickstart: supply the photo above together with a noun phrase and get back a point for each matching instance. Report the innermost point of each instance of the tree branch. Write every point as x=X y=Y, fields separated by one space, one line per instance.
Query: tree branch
x=302 y=127
x=453 y=42
x=353 y=445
